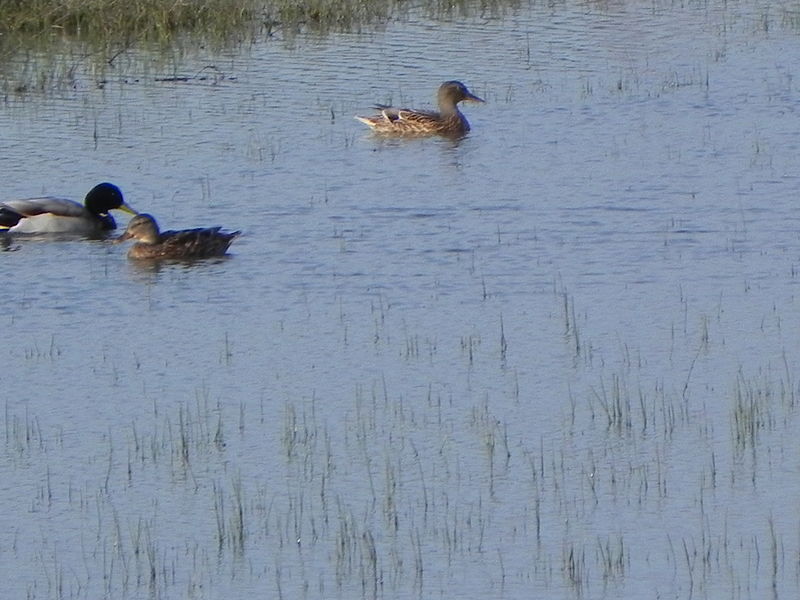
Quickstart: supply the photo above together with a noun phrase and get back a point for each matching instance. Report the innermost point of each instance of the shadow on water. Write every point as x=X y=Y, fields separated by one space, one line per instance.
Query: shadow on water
x=384 y=143
x=151 y=270
x=6 y=242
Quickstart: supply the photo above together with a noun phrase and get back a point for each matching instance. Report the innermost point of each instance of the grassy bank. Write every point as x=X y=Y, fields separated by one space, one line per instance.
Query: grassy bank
x=159 y=19
x=38 y=53
x=120 y=18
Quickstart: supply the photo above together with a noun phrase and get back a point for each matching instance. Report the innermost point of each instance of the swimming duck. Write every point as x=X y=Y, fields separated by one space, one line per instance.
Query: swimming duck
x=59 y=215
x=448 y=121
x=184 y=244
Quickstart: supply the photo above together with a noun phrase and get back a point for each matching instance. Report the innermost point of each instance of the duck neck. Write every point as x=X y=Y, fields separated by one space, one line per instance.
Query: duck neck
x=107 y=222
x=151 y=237
x=448 y=107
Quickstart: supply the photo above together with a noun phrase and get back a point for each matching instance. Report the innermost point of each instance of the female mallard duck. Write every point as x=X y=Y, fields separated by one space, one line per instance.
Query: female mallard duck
x=184 y=244
x=448 y=121
x=59 y=215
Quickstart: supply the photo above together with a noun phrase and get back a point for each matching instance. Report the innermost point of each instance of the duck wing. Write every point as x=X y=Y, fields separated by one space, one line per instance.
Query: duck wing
x=403 y=121
x=394 y=114
x=425 y=118
x=195 y=243
x=60 y=207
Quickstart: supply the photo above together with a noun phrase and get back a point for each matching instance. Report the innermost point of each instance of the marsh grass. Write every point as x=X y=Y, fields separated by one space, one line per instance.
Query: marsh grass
x=93 y=19
x=50 y=45
x=112 y=20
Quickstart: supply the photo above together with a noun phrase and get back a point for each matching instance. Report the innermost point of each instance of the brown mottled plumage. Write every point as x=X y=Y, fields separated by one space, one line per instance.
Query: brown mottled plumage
x=184 y=244
x=404 y=121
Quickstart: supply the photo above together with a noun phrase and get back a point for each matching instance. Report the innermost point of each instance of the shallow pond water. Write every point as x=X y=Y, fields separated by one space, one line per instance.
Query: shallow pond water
x=557 y=358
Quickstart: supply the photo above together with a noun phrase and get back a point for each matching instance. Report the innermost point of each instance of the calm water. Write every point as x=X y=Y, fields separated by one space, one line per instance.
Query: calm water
x=557 y=359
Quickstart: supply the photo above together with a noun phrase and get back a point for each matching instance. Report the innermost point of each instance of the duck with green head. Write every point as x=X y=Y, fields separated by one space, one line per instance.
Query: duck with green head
x=60 y=215
x=448 y=121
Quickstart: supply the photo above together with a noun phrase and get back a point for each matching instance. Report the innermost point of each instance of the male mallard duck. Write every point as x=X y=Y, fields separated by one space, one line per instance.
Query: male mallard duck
x=184 y=244
x=59 y=215
x=448 y=121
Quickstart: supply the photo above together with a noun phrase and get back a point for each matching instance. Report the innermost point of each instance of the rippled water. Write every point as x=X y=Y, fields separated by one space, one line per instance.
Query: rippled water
x=555 y=359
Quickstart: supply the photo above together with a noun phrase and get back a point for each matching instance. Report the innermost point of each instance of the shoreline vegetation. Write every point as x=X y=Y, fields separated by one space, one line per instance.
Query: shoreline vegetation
x=161 y=20
x=43 y=43
x=46 y=45
x=104 y=19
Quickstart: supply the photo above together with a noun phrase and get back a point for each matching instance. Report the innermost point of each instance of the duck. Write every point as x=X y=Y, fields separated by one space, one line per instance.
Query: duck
x=185 y=244
x=60 y=215
x=449 y=121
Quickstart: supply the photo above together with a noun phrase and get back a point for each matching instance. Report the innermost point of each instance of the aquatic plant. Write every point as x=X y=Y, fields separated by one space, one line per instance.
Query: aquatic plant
x=111 y=20
x=44 y=44
x=93 y=19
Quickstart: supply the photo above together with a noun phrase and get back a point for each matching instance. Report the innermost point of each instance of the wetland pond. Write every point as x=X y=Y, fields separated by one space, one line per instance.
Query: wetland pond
x=555 y=359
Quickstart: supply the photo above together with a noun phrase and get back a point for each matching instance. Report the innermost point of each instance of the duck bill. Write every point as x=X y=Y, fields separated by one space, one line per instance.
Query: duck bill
x=125 y=236
x=470 y=97
x=125 y=208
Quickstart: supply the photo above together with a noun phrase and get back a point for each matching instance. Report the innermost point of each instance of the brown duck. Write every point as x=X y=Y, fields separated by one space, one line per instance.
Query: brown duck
x=181 y=245
x=449 y=121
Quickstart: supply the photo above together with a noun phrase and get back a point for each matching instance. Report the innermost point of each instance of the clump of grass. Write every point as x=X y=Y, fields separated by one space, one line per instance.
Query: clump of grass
x=151 y=19
x=329 y=14
x=752 y=412
x=46 y=45
x=162 y=20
